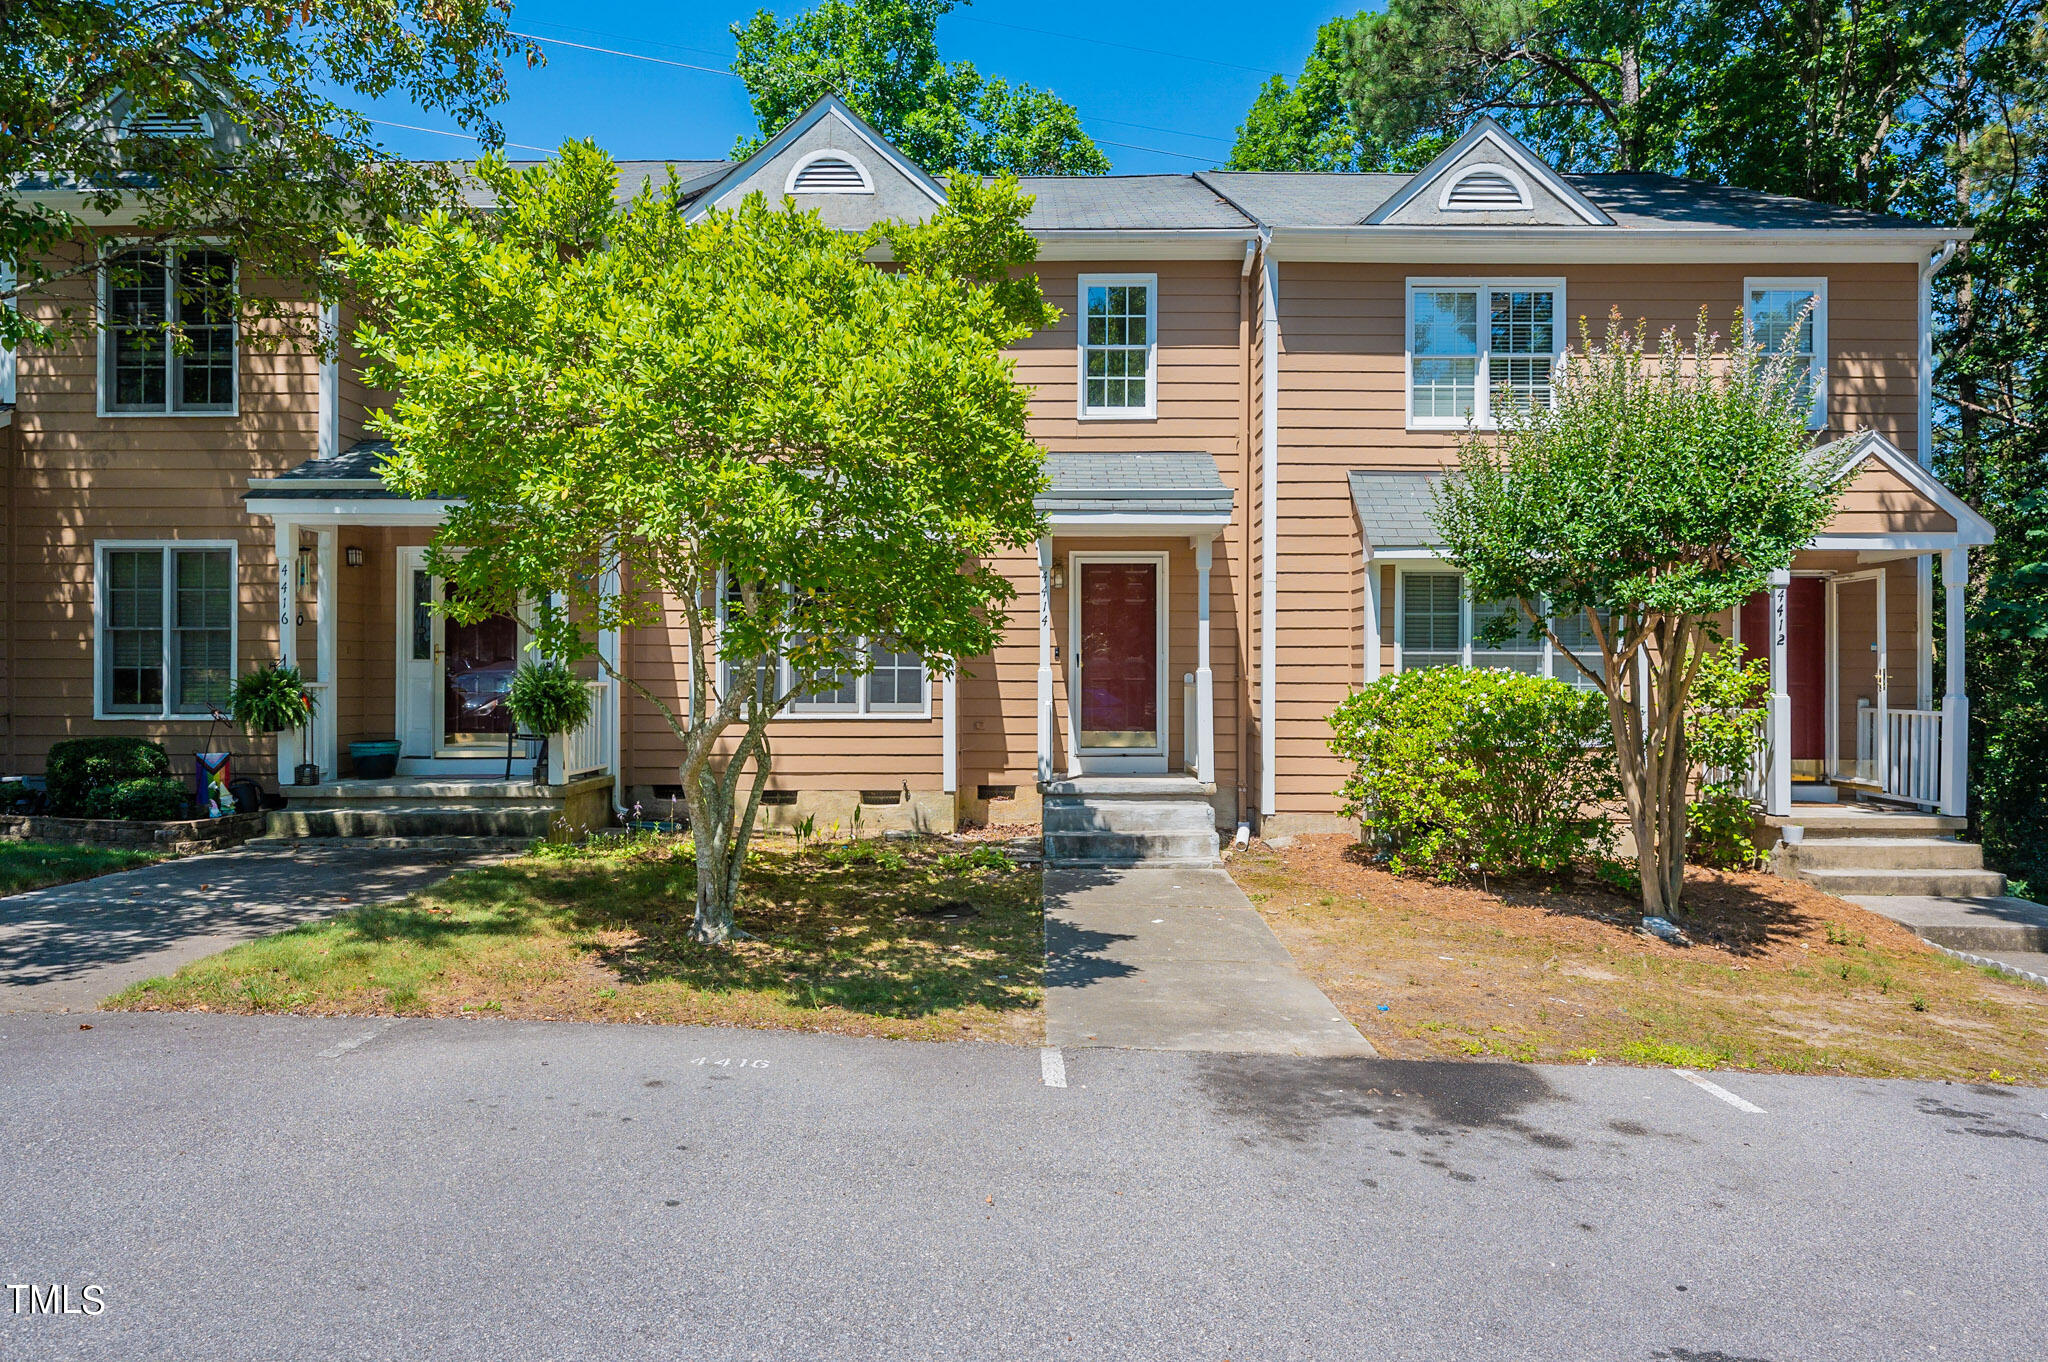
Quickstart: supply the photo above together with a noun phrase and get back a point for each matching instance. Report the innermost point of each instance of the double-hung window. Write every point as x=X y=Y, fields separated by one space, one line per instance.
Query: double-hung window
x=168 y=339
x=1476 y=347
x=894 y=684
x=1790 y=316
x=1119 y=344
x=166 y=628
x=1439 y=625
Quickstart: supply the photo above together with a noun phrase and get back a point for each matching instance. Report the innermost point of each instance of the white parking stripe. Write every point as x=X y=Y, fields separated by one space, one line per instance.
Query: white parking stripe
x=1715 y=1088
x=1052 y=1067
x=337 y=1051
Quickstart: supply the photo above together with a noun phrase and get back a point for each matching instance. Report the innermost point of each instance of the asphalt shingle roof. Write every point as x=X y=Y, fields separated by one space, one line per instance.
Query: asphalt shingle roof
x=1127 y=203
x=361 y=463
x=1396 y=510
x=1147 y=483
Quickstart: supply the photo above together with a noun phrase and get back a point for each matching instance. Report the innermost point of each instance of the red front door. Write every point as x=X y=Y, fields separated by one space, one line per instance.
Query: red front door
x=1806 y=661
x=1119 y=656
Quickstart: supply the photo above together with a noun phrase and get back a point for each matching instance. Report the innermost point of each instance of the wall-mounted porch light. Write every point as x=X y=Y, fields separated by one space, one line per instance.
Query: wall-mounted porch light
x=354 y=554
x=1059 y=580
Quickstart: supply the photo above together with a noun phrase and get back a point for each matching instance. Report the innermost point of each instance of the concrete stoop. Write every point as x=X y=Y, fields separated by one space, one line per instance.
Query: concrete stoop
x=406 y=820
x=429 y=809
x=1130 y=821
x=1854 y=851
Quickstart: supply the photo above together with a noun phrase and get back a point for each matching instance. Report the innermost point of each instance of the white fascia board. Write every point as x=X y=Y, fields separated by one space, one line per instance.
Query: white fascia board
x=1108 y=243
x=1199 y=524
x=349 y=510
x=1590 y=246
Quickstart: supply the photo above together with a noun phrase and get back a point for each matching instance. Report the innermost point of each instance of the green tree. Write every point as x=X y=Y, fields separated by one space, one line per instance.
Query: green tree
x=738 y=419
x=1308 y=125
x=882 y=58
x=1649 y=499
x=287 y=162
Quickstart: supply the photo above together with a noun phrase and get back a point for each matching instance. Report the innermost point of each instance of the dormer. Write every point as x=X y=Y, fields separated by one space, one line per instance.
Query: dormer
x=1488 y=178
x=831 y=159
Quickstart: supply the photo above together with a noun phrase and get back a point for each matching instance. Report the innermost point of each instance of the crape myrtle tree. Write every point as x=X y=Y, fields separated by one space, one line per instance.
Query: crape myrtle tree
x=1659 y=492
x=225 y=123
x=739 y=419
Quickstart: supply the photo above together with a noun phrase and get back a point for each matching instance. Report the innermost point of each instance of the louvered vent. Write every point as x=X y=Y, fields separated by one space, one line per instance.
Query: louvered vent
x=829 y=175
x=168 y=125
x=1484 y=189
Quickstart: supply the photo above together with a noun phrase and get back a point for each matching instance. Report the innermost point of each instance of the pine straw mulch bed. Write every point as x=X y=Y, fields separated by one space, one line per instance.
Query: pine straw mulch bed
x=923 y=940
x=1781 y=975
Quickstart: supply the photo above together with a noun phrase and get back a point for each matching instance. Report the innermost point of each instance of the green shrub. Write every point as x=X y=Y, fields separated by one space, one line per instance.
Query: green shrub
x=271 y=699
x=546 y=697
x=1457 y=770
x=151 y=798
x=1723 y=735
x=78 y=766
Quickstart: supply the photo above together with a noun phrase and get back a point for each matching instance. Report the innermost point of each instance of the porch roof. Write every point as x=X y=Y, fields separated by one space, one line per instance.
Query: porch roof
x=1396 y=510
x=1148 y=484
x=354 y=471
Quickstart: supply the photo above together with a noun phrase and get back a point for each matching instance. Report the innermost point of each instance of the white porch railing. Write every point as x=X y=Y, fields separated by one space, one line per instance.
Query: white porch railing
x=584 y=749
x=1755 y=780
x=1908 y=764
x=1191 y=728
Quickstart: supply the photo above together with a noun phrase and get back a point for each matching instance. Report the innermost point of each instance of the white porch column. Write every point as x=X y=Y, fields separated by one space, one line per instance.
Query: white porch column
x=1045 y=659
x=325 y=729
x=1372 y=619
x=1205 y=680
x=1778 y=712
x=949 y=725
x=289 y=747
x=1955 y=706
x=608 y=651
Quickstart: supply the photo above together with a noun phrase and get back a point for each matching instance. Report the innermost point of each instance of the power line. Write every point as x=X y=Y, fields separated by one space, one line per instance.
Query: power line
x=1171 y=132
x=1125 y=47
x=624 y=38
x=615 y=52
x=442 y=132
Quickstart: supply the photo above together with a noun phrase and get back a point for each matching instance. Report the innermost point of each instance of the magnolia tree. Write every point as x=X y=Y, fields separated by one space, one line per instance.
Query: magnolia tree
x=1657 y=493
x=739 y=419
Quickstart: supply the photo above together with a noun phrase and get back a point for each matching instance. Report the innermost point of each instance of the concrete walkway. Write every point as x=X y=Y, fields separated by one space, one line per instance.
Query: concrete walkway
x=65 y=948
x=2008 y=932
x=1173 y=959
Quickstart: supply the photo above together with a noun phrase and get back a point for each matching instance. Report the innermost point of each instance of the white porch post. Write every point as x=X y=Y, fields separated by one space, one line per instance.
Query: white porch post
x=326 y=726
x=289 y=747
x=1205 y=680
x=1045 y=659
x=608 y=651
x=558 y=743
x=949 y=724
x=1955 y=705
x=1372 y=619
x=1778 y=776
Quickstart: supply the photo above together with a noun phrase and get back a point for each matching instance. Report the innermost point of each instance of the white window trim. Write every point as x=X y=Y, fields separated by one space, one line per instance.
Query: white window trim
x=1148 y=412
x=1552 y=655
x=1508 y=173
x=867 y=180
x=1482 y=394
x=1817 y=418
x=106 y=409
x=831 y=710
x=165 y=714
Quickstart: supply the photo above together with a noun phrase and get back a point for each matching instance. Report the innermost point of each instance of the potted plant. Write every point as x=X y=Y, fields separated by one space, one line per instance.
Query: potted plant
x=547 y=698
x=271 y=699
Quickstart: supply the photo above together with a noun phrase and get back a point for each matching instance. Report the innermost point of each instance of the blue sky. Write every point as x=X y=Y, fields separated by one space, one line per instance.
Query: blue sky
x=1189 y=102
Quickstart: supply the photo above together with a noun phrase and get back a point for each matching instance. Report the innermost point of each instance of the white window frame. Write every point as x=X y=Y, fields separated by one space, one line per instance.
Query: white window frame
x=867 y=179
x=1817 y=418
x=102 y=387
x=164 y=713
x=1508 y=173
x=1482 y=392
x=1148 y=412
x=1552 y=656
x=860 y=709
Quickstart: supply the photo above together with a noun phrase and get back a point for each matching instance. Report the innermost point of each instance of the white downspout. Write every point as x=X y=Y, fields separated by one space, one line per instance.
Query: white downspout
x=1269 y=529
x=1923 y=576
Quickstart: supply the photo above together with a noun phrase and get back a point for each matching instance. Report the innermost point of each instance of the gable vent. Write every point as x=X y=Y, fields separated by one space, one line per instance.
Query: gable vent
x=169 y=125
x=1483 y=189
x=830 y=175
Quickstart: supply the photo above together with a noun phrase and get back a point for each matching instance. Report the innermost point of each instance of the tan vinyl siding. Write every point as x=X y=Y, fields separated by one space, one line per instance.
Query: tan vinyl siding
x=1879 y=501
x=81 y=478
x=1343 y=405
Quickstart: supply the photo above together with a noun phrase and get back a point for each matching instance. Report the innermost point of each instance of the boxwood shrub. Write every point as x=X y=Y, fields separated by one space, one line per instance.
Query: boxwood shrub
x=1457 y=771
x=148 y=797
x=78 y=766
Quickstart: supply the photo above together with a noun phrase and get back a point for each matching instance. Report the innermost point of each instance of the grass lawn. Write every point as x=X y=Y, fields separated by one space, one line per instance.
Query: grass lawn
x=1781 y=977
x=34 y=865
x=916 y=941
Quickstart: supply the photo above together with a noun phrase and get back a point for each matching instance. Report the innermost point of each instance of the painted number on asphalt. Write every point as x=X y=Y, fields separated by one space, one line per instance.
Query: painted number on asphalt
x=730 y=1063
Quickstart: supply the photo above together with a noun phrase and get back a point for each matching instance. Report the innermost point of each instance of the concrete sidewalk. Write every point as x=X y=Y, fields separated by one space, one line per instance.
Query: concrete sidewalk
x=1176 y=959
x=2008 y=932
x=67 y=947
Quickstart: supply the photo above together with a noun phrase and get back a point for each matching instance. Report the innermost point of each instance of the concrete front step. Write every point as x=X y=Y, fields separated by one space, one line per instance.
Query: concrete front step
x=510 y=846
x=1131 y=848
x=1068 y=814
x=1886 y=853
x=1126 y=787
x=1824 y=823
x=430 y=790
x=410 y=820
x=1955 y=884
